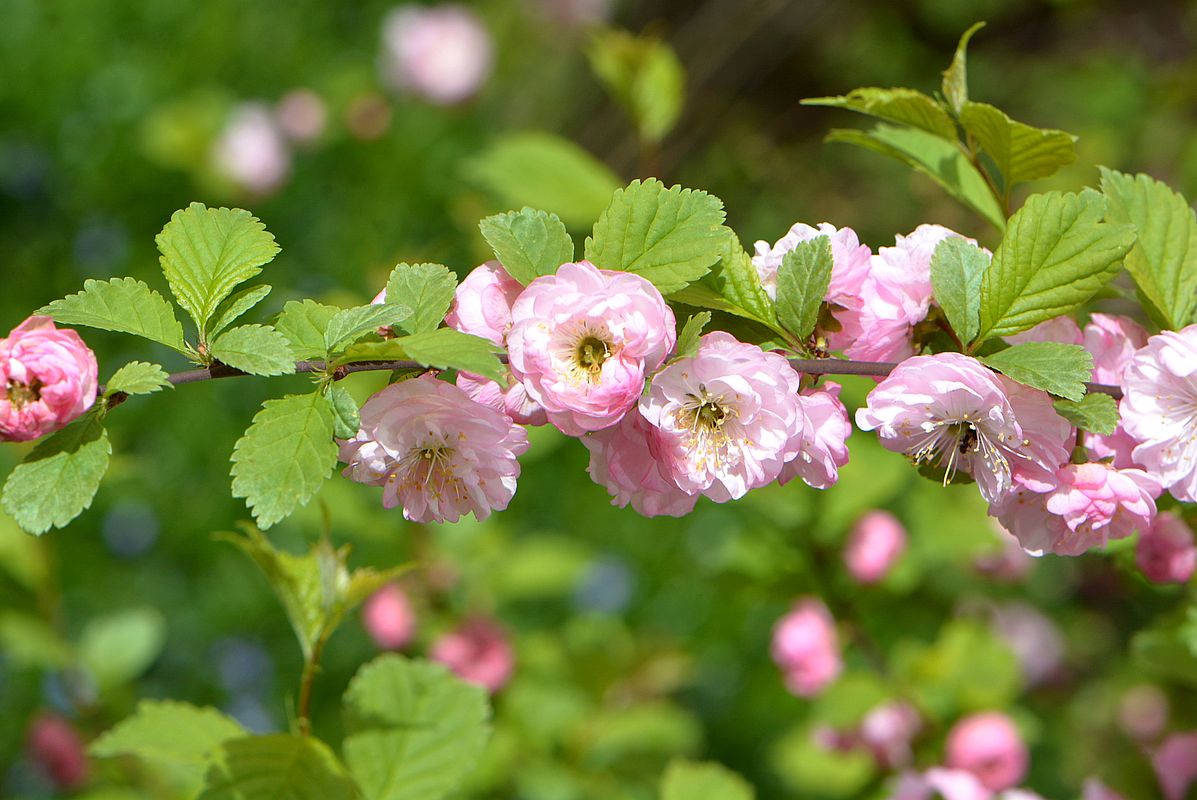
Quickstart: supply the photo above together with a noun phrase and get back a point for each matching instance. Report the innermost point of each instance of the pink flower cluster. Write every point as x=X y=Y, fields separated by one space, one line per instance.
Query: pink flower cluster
x=985 y=758
x=47 y=379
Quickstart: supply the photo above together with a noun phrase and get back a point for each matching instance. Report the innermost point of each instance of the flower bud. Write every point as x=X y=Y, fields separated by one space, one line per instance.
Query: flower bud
x=389 y=617
x=806 y=648
x=55 y=748
x=478 y=652
x=875 y=544
x=989 y=746
x=47 y=379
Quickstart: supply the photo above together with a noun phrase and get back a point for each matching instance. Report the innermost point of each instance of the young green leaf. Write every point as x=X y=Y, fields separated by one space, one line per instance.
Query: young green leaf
x=446 y=348
x=955 y=77
x=687 y=340
x=351 y=324
x=207 y=252
x=415 y=730
x=733 y=285
x=304 y=323
x=285 y=456
x=347 y=419
x=692 y=780
x=957 y=268
x=425 y=288
x=256 y=349
x=644 y=75
x=236 y=305
x=58 y=479
x=276 y=765
x=528 y=243
x=1163 y=261
x=671 y=237
x=1022 y=153
x=117 y=648
x=802 y=281
x=1056 y=368
x=124 y=305
x=138 y=377
x=1056 y=254
x=1096 y=412
x=907 y=106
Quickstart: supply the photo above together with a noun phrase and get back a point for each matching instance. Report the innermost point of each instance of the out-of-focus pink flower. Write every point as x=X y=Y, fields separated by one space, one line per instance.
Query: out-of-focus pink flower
x=1112 y=340
x=478 y=652
x=1143 y=712
x=368 y=116
x=389 y=618
x=876 y=542
x=937 y=782
x=47 y=379
x=442 y=53
x=1057 y=329
x=806 y=648
x=1024 y=514
x=623 y=459
x=989 y=746
x=1175 y=764
x=825 y=432
x=252 y=151
x=435 y=451
x=1165 y=551
x=582 y=342
x=55 y=747
x=301 y=115
x=1009 y=562
x=1094 y=789
x=1034 y=639
x=950 y=411
x=729 y=417
x=1099 y=503
x=575 y=13
x=887 y=731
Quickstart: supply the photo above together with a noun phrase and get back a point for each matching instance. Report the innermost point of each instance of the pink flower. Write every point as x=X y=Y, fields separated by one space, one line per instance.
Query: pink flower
x=252 y=151
x=623 y=459
x=950 y=411
x=825 y=431
x=55 y=747
x=1143 y=712
x=1094 y=789
x=937 y=782
x=1024 y=514
x=876 y=542
x=1159 y=409
x=1112 y=340
x=389 y=617
x=806 y=648
x=1099 y=503
x=435 y=452
x=729 y=417
x=48 y=376
x=1165 y=552
x=442 y=53
x=1175 y=764
x=1009 y=562
x=301 y=115
x=582 y=342
x=1034 y=639
x=1057 y=329
x=887 y=730
x=478 y=652
x=989 y=746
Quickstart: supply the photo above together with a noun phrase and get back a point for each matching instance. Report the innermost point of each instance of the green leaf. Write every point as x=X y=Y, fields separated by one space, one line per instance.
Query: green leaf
x=543 y=170
x=691 y=780
x=124 y=305
x=940 y=160
x=351 y=324
x=802 y=281
x=1096 y=412
x=304 y=323
x=733 y=285
x=207 y=252
x=1021 y=152
x=347 y=420
x=29 y=641
x=138 y=377
x=671 y=237
x=955 y=77
x=1056 y=368
x=427 y=289
x=644 y=75
x=957 y=268
x=1163 y=261
x=446 y=348
x=687 y=340
x=1056 y=254
x=415 y=730
x=285 y=456
x=277 y=766
x=907 y=106
x=58 y=479
x=256 y=349
x=528 y=243
x=235 y=306
x=119 y=647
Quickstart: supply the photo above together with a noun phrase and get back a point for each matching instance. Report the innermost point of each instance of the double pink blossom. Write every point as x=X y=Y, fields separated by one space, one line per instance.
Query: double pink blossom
x=441 y=53
x=990 y=747
x=47 y=379
x=806 y=648
x=624 y=458
x=478 y=652
x=876 y=542
x=389 y=617
x=824 y=445
x=1165 y=552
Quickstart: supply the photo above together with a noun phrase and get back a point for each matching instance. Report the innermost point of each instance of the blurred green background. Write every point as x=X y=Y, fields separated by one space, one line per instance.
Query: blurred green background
x=636 y=639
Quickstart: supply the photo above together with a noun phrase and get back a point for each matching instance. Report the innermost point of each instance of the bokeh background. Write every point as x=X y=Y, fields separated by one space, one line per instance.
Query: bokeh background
x=636 y=640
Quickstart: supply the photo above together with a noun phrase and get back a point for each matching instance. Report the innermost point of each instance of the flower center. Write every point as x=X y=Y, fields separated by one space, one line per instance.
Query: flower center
x=21 y=394
x=948 y=440
x=581 y=351
x=591 y=353
x=430 y=468
x=707 y=416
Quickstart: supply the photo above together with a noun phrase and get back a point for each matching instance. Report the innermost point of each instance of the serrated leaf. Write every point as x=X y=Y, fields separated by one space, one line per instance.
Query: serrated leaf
x=955 y=77
x=528 y=243
x=276 y=766
x=138 y=377
x=236 y=305
x=907 y=106
x=957 y=268
x=256 y=349
x=285 y=456
x=1056 y=368
x=1163 y=261
x=1096 y=412
x=1021 y=152
x=58 y=479
x=644 y=75
x=1056 y=254
x=304 y=323
x=733 y=285
x=414 y=729
x=802 y=281
x=124 y=305
x=207 y=252
x=119 y=647
x=940 y=160
x=347 y=419
x=427 y=289
x=350 y=324
x=691 y=780
x=446 y=348
x=687 y=339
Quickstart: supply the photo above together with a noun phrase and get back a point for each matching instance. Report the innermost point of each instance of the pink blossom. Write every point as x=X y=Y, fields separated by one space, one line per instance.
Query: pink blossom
x=825 y=431
x=806 y=648
x=623 y=459
x=252 y=151
x=1165 y=552
x=989 y=746
x=49 y=376
x=887 y=731
x=1009 y=562
x=442 y=53
x=729 y=417
x=875 y=544
x=1143 y=712
x=478 y=652
x=57 y=750
x=435 y=451
x=949 y=411
x=1175 y=764
x=301 y=115
x=1057 y=329
x=582 y=342
x=1094 y=789
x=1034 y=639
x=1112 y=340
x=937 y=782
x=389 y=618
x=1099 y=503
